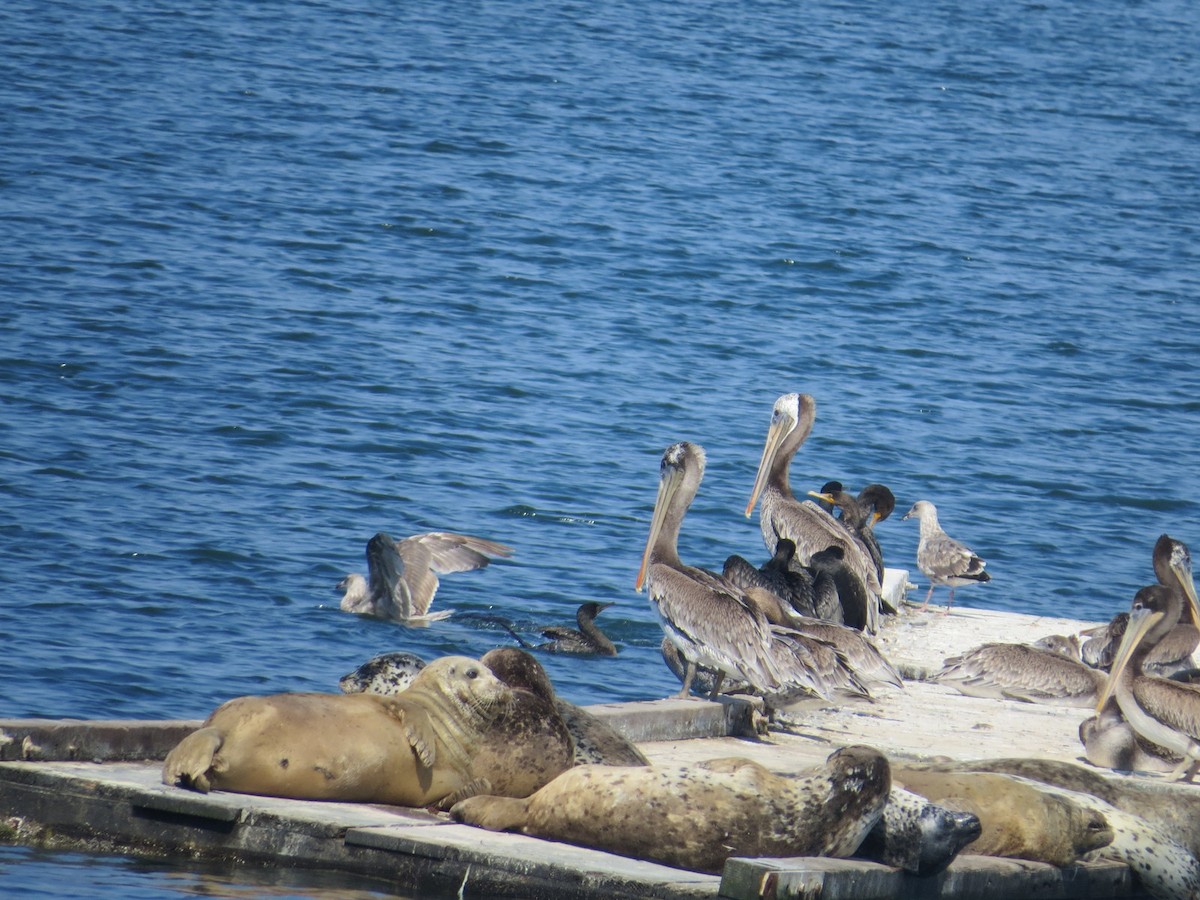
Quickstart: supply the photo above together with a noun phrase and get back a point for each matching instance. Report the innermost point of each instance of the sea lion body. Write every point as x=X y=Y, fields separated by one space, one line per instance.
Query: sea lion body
x=414 y=750
x=1154 y=825
x=697 y=817
x=1018 y=820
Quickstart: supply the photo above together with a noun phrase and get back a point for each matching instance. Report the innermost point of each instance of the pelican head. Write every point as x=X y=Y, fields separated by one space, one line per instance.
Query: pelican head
x=791 y=421
x=680 y=473
x=1154 y=612
x=1173 y=563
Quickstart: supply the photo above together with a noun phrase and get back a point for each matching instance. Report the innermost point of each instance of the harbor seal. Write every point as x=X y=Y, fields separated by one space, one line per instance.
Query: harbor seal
x=1018 y=819
x=696 y=817
x=416 y=750
x=918 y=836
x=596 y=742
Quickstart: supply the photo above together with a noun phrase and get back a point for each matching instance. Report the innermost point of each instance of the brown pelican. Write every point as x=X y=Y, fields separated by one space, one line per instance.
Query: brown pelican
x=403 y=575
x=589 y=640
x=941 y=558
x=805 y=523
x=1064 y=644
x=711 y=621
x=1162 y=711
x=1170 y=655
x=1109 y=742
x=1022 y=672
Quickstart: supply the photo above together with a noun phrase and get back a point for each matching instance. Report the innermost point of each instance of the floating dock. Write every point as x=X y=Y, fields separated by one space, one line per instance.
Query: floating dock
x=95 y=784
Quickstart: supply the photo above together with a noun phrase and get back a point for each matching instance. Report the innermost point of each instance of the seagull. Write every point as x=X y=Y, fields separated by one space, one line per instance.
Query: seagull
x=941 y=558
x=403 y=575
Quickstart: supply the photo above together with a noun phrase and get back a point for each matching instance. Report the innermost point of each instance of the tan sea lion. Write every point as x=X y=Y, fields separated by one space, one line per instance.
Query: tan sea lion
x=422 y=748
x=1018 y=820
x=696 y=817
x=1174 y=808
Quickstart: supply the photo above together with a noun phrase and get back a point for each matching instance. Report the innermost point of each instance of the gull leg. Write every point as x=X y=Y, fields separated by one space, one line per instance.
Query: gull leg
x=925 y=606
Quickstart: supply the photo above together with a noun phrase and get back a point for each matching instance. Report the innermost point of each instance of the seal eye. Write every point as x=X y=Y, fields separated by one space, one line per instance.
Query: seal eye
x=472 y=673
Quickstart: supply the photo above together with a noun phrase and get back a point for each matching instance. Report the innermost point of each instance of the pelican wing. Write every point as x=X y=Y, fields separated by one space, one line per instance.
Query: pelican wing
x=861 y=655
x=1022 y=672
x=1173 y=703
x=709 y=616
x=816 y=666
x=812 y=530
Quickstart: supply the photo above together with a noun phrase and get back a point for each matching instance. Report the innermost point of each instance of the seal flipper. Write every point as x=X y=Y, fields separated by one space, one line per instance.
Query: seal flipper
x=191 y=759
x=492 y=813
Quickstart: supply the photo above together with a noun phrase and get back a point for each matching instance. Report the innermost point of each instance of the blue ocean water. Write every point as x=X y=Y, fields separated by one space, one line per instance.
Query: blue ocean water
x=279 y=276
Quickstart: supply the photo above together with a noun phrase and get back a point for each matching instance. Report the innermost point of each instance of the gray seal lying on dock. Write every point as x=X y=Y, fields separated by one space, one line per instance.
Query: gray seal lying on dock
x=696 y=817
x=596 y=742
x=1018 y=819
x=918 y=836
x=418 y=749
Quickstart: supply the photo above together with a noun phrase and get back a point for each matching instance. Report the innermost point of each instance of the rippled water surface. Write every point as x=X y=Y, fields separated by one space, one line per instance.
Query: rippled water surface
x=279 y=276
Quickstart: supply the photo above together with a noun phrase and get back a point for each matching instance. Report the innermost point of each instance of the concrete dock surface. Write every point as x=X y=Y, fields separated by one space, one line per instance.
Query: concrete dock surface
x=54 y=791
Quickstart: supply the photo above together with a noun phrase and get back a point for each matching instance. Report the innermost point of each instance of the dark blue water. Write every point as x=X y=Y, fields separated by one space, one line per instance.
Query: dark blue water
x=278 y=276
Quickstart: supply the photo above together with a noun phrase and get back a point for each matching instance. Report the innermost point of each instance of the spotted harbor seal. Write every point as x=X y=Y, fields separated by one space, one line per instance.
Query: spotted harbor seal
x=595 y=741
x=415 y=750
x=1018 y=819
x=918 y=836
x=696 y=817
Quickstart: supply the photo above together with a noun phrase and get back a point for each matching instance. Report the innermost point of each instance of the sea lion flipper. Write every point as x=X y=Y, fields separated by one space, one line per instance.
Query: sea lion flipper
x=192 y=758
x=416 y=725
x=473 y=788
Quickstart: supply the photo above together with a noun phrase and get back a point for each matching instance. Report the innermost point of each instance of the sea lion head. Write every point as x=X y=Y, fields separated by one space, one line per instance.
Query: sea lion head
x=519 y=670
x=387 y=674
x=464 y=684
x=1090 y=830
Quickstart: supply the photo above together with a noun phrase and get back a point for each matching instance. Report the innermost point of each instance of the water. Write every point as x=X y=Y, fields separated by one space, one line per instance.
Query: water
x=279 y=277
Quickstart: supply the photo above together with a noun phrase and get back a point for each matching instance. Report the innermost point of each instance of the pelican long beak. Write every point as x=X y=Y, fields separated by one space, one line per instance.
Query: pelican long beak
x=781 y=426
x=668 y=486
x=1183 y=571
x=1140 y=622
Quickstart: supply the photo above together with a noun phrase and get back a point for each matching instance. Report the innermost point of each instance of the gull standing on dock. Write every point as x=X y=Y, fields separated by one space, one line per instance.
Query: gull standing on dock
x=1161 y=710
x=712 y=622
x=403 y=575
x=804 y=523
x=941 y=558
